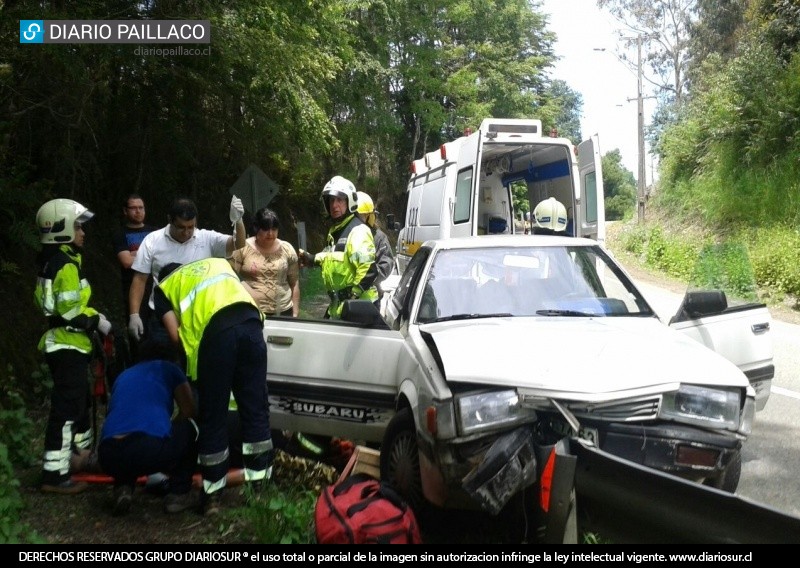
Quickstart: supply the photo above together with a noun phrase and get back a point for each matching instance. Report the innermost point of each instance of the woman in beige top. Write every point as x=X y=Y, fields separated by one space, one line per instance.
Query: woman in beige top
x=269 y=268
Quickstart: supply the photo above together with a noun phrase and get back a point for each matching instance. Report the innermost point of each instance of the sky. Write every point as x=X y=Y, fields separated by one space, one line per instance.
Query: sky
x=604 y=82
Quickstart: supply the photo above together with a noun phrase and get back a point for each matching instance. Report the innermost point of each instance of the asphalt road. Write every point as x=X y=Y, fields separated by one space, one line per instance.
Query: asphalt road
x=771 y=455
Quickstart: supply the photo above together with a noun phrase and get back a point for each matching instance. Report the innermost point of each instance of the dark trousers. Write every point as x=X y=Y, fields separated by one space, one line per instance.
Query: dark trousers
x=138 y=454
x=233 y=360
x=68 y=425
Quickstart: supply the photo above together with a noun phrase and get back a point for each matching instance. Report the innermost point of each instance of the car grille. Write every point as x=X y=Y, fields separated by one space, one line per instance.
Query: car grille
x=624 y=411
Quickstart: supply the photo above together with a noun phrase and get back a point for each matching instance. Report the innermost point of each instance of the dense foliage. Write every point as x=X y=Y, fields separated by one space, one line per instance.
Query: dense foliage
x=619 y=186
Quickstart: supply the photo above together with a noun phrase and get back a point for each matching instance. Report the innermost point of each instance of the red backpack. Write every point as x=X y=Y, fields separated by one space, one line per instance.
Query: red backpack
x=362 y=510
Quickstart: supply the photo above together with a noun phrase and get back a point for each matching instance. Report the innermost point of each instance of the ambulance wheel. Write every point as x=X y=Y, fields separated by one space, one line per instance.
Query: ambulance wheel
x=400 y=458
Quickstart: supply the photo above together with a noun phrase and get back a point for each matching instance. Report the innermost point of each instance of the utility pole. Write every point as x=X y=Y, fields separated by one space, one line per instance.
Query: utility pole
x=642 y=178
x=641 y=182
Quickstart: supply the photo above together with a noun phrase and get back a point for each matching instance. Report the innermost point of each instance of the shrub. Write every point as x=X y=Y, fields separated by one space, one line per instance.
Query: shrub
x=11 y=504
x=776 y=259
x=725 y=266
x=282 y=515
x=633 y=239
x=671 y=254
x=16 y=428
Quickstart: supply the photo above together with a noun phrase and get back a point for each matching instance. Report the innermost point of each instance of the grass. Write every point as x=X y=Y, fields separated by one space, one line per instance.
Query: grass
x=313 y=296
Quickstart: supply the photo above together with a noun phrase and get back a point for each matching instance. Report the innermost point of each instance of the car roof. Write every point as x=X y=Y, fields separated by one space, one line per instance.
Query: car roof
x=484 y=241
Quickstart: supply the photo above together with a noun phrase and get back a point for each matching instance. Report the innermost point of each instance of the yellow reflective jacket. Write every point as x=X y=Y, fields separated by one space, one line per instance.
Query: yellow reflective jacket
x=345 y=262
x=63 y=293
x=197 y=291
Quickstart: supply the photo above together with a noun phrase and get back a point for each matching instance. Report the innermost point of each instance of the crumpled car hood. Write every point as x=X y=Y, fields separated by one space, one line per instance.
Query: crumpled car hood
x=577 y=355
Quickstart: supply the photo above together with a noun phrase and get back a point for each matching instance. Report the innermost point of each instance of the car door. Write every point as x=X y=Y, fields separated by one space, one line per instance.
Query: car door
x=739 y=333
x=331 y=377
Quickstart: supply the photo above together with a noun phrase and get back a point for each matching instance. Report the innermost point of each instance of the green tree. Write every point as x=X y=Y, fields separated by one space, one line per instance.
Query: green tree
x=567 y=104
x=619 y=186
x=663 y=26
x=460 y=61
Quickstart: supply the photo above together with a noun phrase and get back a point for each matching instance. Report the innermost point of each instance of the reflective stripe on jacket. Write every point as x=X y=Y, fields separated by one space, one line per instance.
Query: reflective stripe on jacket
x=345 y=261
x=197 y=291
x=63 y=294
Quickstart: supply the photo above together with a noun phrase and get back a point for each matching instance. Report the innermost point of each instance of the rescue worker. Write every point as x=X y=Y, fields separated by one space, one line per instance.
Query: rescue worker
x=350 y=251
x=384 y=258
x=63 y=293
x=142 y=434
x=549 y=217
x=206 y=309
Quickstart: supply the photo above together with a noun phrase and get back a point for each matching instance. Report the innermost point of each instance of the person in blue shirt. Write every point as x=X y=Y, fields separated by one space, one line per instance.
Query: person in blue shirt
x=140 y=435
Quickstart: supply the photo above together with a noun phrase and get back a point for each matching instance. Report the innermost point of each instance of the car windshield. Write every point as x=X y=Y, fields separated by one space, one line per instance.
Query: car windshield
x=545 y=281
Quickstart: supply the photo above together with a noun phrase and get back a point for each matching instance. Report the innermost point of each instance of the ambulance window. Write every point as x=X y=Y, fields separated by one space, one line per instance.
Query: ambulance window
x=430 y=210
x=463 y=193
x=590 y=197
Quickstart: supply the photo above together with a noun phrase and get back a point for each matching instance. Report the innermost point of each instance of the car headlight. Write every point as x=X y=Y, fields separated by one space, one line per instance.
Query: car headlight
x=484 y=411
x=703 y=406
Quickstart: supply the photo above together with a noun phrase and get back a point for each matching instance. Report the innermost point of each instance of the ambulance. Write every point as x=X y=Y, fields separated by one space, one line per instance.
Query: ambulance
x=465 y=187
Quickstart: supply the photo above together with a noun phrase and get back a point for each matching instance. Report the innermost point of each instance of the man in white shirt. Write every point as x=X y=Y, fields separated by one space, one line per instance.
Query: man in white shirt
x=182 y=242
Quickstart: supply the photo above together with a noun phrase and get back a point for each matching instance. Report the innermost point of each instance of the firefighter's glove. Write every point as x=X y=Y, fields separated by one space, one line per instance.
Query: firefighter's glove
x=237 y=210
x=103 y=326
x=306 y=258
x=135 y=327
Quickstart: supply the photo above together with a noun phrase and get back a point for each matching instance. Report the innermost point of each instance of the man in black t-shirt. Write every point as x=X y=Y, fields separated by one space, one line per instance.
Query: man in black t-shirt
x=126 y=242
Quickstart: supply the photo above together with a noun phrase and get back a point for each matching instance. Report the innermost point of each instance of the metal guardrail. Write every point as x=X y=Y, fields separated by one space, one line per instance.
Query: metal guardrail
x=630 y=503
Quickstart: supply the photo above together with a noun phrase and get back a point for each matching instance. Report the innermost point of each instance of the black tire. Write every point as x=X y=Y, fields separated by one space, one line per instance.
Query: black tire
x=400 y=459
x=729 y=479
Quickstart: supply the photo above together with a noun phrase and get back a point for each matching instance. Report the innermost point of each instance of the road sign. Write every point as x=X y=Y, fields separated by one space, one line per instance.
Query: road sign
x=254 y=188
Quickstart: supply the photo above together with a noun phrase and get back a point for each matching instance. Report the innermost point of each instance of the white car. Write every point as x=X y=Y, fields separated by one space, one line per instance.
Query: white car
x=493 y=348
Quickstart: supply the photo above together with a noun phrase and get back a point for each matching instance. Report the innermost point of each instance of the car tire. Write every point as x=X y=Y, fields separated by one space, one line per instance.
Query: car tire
x=400 y=458
x=729 y=478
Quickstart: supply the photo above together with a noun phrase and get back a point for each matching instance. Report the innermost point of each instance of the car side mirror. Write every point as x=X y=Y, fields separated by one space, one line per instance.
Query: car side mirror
x=363 y=313
x=700 y=303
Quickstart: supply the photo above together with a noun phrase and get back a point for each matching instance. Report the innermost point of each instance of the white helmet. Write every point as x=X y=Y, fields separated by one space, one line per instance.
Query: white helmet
x=56 y=220
x=551 y=215
x=340 y=187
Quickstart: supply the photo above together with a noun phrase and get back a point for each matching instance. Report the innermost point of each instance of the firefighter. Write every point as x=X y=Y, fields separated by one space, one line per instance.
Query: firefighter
x=206 y=310
x=384 y=259
x=63 y=293
x=350 y=251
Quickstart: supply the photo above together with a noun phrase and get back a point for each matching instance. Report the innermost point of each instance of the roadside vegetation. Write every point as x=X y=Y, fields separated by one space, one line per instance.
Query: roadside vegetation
x=749 y=263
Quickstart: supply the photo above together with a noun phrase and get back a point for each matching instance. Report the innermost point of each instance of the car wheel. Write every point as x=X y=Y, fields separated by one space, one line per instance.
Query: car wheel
x=729 y=479
x=400 y=458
